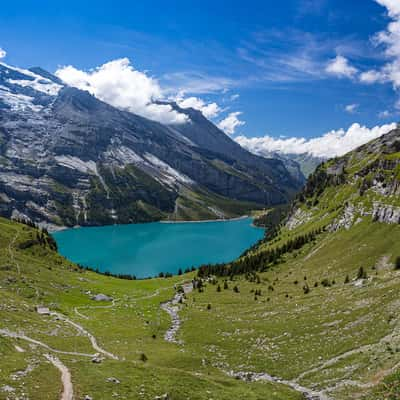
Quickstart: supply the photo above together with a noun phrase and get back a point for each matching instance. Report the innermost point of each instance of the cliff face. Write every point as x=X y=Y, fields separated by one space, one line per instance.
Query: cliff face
x=364 y=183
x=67 y=158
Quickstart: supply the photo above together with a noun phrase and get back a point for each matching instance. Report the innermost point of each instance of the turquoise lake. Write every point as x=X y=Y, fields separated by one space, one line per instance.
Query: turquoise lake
x=145 y=250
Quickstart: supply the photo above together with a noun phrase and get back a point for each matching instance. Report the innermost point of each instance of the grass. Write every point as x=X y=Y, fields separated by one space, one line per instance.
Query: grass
x=134 y=325
x=283 y=332
x=306 y=319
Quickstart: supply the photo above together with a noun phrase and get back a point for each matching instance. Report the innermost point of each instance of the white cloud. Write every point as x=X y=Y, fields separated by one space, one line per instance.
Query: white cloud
x=351 y=108
x=372 y=76
x=3 y=53
x=118 y=83
x=209 y=110
x=341 y=67
x=390 y=40
x=393 y=7
x=331 y=144
x=385 y=114
x=234 y=97
x=231 y=122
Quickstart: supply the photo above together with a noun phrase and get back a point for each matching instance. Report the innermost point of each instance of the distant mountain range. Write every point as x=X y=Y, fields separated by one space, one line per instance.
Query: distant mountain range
x=67 y=158
x=299 y=165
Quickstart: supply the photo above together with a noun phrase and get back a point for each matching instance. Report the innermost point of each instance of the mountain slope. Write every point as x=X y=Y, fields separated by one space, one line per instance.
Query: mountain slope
x=205 y=134
x=324 y=310
x=111 y=349
x=67 y=158
x=311 y=313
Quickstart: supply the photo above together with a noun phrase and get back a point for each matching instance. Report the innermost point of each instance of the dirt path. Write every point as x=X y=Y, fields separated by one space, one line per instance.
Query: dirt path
x=172 y=308
x=76 y=309
x=68 y=391
x=14 y=335
x=92 y=339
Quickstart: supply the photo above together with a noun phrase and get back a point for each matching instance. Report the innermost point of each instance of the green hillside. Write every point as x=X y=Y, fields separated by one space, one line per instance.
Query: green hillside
x=130 y=332
x=328 y=312
x=309 y=313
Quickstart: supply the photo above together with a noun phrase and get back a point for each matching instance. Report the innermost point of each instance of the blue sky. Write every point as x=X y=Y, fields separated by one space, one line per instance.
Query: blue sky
x=275 y=55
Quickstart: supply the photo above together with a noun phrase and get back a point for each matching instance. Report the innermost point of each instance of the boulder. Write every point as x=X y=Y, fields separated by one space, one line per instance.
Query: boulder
x=101 y=297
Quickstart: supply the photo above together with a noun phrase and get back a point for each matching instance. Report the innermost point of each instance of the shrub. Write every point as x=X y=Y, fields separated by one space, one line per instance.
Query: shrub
x=362 y=273
x=143 y=357
x=325 y=283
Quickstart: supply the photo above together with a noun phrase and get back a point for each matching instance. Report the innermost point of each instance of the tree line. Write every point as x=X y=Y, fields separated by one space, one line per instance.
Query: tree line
x=258 y=262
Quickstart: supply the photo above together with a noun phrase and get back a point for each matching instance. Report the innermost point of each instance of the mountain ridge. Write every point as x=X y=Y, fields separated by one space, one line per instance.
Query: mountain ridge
x=67 y=158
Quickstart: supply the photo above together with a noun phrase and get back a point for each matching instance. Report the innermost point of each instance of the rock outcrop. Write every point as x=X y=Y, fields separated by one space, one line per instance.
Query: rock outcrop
x=386 y=213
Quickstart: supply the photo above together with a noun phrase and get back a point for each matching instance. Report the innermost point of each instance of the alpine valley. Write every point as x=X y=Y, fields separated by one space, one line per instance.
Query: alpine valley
x=67 y=158
x=309 y=312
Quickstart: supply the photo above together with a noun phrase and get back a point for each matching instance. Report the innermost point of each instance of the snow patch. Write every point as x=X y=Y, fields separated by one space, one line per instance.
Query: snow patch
x=40 y=85
x=18 y=102
x=36 y=82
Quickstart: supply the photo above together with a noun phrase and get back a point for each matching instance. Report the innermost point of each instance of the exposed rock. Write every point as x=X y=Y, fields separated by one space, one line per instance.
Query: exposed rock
x=386 y=213
x=298 y=218
x=7 y=389
x=101 y=297
x=346 y=220
x=165 y=396
x=172 y=308
x=336 y=169
x=97 y=359
x=348 y=217
x=113 y=380
x=63 y=153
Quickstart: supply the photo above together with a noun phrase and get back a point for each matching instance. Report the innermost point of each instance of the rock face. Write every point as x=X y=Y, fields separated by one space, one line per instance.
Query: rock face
x=364 y=183
x=386 y=213
x=67 y=158
x=297 y=218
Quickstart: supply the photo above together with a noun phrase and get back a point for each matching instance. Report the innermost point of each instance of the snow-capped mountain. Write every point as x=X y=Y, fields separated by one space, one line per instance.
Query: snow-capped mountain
x=67 y=158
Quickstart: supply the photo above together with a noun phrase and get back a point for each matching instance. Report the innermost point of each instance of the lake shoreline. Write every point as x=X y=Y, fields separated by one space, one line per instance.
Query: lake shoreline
x=56 y=228
x=204 y=221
